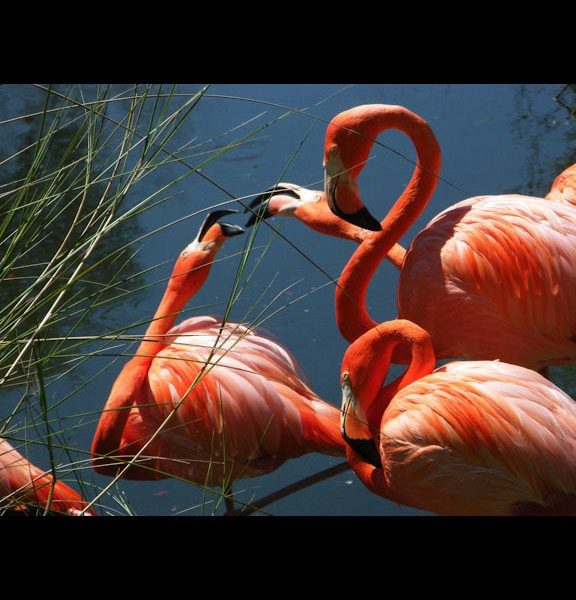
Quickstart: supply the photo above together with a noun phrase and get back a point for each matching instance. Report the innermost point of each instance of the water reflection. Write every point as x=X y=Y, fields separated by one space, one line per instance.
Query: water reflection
x=51 y=214
x=537 y=124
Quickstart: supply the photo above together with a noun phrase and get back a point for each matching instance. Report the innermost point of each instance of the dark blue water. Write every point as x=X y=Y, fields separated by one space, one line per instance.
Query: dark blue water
x=494 y=139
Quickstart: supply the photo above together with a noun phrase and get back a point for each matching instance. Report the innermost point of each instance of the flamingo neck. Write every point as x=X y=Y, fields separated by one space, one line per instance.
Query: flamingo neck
x=319 y=217
x=154 y=339
x=365 y=370
x=173 y=301
x=371 y=476
x=27 y=483
x=351 y=312
x=126 y=389
x=381 y=345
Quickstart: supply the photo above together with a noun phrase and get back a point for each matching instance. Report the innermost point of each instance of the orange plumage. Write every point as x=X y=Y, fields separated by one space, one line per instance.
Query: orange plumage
x=209 y=401
x=24 y=487
x=563 y=188
x=498 y=272
x=468 y=438
x=491 y=277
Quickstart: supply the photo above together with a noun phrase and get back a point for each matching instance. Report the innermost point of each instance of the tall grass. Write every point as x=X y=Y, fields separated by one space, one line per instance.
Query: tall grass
x=68 y=230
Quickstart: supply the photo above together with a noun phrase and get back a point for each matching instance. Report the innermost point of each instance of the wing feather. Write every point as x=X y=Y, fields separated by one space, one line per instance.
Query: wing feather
x=502 y=267
x=236 y=397
x=480 y=434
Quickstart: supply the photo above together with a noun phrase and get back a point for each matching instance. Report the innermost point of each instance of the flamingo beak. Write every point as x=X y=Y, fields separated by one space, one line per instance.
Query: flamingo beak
x=259 y=206
x=342 y=195
x=354 y=429
x=212 y=217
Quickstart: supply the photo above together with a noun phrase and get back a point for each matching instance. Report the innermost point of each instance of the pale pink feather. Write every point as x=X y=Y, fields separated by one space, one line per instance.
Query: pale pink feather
x=506 y=266
x=481 y=437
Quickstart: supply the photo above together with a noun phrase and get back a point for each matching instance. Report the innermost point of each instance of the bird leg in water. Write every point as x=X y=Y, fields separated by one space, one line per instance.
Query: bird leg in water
x=248 y=509
x=228 y=499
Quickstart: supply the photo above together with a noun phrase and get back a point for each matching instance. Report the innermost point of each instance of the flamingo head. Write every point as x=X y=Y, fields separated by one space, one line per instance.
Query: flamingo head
x=283 y=199
x=194 y=262
x=348 y=141
x=364 y=370
x=354 y=426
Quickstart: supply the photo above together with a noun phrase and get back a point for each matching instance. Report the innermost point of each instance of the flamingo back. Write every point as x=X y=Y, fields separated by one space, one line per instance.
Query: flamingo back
x=482 y=438
x=563 y=188
x=500 y=270
x=239 y=404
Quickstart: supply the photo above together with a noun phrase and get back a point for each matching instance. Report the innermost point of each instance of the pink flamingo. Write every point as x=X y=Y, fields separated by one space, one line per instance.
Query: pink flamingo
x=23 y=485
x=491 y=277
x=467 y=438
x=209 y=401
x=311 y=208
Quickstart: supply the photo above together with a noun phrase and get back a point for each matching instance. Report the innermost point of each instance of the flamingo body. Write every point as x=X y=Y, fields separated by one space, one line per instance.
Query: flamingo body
x=22 y=485
x=563 y=188
x=498 y=272
x=206 y=400
x=468 y=438
x=482 y=438
x=248 y=414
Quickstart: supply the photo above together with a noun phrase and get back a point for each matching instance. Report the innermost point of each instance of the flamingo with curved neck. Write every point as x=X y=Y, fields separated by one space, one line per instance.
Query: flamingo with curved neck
x=468 y=438
x=491 y=277
x=209 y=401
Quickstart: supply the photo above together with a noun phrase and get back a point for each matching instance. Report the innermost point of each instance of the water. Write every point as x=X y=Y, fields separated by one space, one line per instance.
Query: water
x=495 y=139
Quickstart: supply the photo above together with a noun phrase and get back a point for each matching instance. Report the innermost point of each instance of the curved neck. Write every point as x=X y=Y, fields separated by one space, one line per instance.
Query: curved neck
x=108 y=436
x=365 y=369
x=378 y=345
x=351 y=313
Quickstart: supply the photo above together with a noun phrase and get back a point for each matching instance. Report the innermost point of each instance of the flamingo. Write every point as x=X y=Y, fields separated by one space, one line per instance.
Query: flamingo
x=209 y=401
x=467 y=438
x=563 y=188
x=491 y=277
x=310 y=207
x=23 y=485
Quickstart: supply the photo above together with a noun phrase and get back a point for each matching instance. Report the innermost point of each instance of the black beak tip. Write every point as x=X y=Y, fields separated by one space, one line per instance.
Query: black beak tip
x=366 y=220
x=366 y=449
x=230 y=230
x=251 y=220
x=362 y=218
x=212 y=218
x=259 y=206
